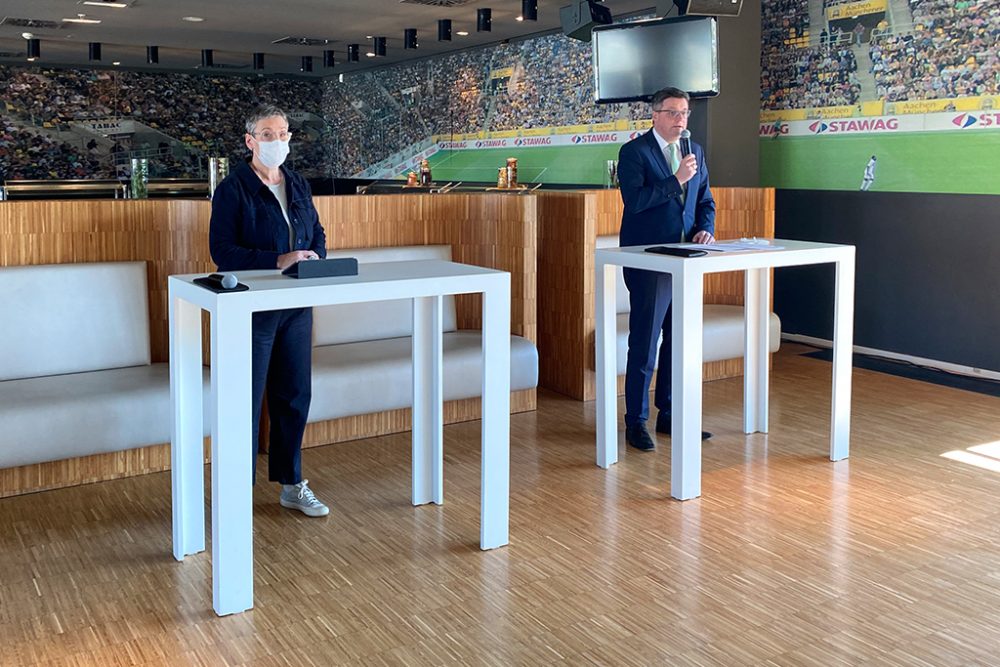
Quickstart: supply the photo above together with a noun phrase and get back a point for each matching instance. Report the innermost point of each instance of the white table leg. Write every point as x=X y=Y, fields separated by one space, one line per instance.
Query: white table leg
x=685 y=445
x=495 y=476
x=606 y=365
x=843 y=347
x=757 y=289
x=232 y=449
x=186 y=454
x=428 y=411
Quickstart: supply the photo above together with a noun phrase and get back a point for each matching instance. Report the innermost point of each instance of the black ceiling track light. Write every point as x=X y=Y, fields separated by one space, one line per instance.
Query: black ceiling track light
x=207 y=58
x=94 y=51
x=34 y=49
x=152 y=55
x=307 y=64
x=410 y=38
x=529 y=10
x=329 y=60
x=352 y=52
x=378 y=46
x=444 y=30
x=258 y=61
x=484 y=19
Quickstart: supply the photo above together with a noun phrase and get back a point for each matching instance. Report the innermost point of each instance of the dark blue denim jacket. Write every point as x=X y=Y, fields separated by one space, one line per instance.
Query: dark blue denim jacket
x=248 y=231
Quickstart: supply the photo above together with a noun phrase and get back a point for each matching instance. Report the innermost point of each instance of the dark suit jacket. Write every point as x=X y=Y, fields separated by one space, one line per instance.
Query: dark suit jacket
x=248 y=230
x=653 y=209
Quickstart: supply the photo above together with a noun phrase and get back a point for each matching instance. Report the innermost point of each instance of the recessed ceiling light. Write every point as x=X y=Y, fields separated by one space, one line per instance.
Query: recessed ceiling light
x=117 y=62
x=192 y=19
x=370 y=54
x=81 y=18
x=27 y=35
x=519 y=18
x=104 y=3
x=368 y=36
x=462 y=33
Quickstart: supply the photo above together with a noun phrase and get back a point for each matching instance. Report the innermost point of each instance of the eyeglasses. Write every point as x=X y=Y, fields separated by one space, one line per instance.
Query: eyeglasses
x=268 y=136
x=674 y=114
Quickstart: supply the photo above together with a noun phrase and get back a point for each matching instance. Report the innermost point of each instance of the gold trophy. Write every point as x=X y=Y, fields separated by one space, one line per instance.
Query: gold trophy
x=502 y=177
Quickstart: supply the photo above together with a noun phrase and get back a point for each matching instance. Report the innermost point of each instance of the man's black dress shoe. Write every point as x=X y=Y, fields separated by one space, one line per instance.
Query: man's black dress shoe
x=637 y=436
x=663 y=425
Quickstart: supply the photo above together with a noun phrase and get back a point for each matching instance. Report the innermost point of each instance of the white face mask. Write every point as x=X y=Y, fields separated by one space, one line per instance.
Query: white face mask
x=272 y=154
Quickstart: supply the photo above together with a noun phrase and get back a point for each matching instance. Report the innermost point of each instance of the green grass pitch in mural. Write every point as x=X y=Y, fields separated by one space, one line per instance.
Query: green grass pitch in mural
x=548 y=164
x=952 y=162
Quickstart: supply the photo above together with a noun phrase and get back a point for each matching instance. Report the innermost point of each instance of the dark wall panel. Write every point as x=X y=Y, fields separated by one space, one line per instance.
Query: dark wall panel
x=733 y=141
x=928 y=271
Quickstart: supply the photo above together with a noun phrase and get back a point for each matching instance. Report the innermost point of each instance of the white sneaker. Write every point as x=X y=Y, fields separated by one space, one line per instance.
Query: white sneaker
x=300 y=497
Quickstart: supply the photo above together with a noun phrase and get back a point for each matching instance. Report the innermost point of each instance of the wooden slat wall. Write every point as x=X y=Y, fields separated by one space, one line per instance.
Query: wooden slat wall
x=493 y=230
x=569 y=224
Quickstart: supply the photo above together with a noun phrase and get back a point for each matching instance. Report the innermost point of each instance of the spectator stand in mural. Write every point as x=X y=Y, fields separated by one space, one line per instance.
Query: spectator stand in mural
x=67 y=123
x=900 y=80
x=466 y=112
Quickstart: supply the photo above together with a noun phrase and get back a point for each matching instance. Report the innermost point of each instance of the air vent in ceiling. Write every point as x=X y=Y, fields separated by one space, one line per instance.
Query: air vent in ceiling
x=31 y=23
x=303 y=41
x=436 y=3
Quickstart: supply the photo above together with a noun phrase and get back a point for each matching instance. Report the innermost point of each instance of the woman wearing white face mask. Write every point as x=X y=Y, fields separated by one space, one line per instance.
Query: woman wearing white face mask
x=263 y=218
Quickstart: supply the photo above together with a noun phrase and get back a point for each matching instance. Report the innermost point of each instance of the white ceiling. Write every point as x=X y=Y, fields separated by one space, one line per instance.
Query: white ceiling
x=235 y=30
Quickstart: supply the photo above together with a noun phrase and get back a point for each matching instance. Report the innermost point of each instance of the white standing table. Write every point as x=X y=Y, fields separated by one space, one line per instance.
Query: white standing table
x=688 y=295
x=425 y=282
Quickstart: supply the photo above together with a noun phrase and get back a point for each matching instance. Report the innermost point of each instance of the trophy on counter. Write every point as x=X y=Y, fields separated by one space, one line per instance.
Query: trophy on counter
x=411 y=179
x=425 y=173
x=140 y=178
x=512 y=172
x=502 y=177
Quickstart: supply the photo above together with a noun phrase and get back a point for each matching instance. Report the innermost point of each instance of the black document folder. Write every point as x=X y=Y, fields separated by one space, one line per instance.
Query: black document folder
x=323 y=268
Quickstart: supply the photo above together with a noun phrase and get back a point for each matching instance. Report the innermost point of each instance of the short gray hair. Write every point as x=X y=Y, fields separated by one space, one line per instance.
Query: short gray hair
x=262 y=112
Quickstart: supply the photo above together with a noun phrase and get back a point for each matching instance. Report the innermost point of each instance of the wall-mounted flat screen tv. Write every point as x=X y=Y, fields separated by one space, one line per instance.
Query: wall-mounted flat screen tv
x=634 y=60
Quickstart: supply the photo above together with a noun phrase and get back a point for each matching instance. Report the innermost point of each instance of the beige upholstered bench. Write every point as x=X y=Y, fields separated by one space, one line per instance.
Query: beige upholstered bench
x=75 y=371
x=362 y=354
x=76 y=377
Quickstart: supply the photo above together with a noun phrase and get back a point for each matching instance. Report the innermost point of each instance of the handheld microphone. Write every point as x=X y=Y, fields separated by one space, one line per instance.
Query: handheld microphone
x=227 y=280
x=685 y=142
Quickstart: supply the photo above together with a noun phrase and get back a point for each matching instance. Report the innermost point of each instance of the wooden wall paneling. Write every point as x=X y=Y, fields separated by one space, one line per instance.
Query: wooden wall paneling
x=566 y=236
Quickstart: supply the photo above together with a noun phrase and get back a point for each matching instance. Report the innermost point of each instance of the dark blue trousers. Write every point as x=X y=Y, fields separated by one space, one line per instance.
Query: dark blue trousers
x=282 y=362
x=649 y=294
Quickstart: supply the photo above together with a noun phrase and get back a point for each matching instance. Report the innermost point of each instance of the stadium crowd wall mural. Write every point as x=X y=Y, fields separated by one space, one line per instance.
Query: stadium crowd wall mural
x=908 y=89
x=900 y=96
x=68 y=123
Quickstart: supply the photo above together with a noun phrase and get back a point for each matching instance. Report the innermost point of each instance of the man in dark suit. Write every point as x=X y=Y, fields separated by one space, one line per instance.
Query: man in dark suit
x=667 y=200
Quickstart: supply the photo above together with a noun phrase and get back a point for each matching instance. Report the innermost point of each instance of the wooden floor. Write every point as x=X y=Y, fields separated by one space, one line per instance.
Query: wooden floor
x=889 y=558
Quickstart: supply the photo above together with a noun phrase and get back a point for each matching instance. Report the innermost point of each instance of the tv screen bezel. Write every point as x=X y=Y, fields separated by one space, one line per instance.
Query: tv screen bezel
x=639 y=25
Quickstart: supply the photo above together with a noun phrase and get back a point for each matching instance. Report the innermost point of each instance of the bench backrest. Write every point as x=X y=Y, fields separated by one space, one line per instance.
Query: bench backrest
x=621 y=294
x=355 y=322
x=72 y=318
